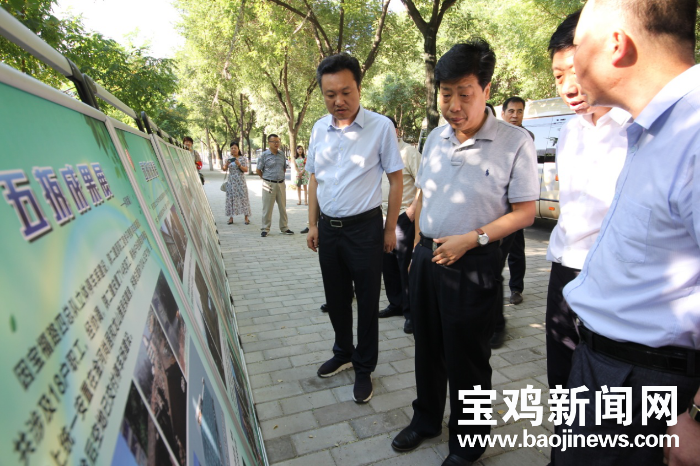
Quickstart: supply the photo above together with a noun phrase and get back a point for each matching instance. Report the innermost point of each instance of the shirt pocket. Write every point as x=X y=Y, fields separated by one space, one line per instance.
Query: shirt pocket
x=630 y=232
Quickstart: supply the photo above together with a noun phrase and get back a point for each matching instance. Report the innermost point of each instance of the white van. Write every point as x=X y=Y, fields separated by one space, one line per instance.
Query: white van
x=545 y=118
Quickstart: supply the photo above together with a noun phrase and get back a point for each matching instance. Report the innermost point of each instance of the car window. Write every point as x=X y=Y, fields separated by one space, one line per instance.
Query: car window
x=540 y=127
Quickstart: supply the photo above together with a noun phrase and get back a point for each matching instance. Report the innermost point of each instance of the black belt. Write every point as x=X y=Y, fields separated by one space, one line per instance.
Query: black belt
x=351 y=220
x=430 y=244
x=665 y=359
x=272 y=181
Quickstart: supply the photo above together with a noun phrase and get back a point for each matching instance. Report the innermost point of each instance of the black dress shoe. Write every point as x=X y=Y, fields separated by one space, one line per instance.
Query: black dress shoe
x=408 y=326
x=324 y=307
x=408 y=440
x=454 y=460
x=390 y=311
x=497 y=338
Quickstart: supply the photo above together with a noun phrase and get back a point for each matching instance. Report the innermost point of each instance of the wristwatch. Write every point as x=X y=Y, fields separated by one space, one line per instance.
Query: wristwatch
x=483 y=238
x=694 y=411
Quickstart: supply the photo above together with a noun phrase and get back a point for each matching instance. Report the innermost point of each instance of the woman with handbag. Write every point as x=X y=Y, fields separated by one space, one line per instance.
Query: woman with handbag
x=302 y=175
x=237 y=202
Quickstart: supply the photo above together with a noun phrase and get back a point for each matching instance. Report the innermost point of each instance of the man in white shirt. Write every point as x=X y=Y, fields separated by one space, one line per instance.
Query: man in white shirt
x=637 y=295
x=395 y=268
x=590 y=153
x=348 y=151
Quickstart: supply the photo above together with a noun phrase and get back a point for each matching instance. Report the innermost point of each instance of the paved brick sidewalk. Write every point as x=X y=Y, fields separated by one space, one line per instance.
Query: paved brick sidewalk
x=309 y=421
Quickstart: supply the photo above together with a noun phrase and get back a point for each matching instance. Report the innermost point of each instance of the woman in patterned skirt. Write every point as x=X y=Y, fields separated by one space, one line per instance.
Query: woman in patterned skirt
x=302 y=175
x=237 y=202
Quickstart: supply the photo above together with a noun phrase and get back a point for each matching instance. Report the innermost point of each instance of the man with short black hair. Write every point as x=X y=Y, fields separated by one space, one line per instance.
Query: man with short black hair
x=591 y=151
x=271 y=167
x=637 y=296
x=513 y=246
x=478 y=182
x=349 y=149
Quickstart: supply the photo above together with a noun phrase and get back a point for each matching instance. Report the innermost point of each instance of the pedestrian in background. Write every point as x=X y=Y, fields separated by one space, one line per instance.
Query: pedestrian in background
x=271 y=167
x=237 y=201
x=302 y=175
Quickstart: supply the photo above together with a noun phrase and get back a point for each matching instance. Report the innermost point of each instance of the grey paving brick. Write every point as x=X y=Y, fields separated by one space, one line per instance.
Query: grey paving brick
x=341 y=412
x=307 y=401
x=399 y=381
x=367 y=451
x=322 y=438
x=321 y=458
x=260 y=380
x=526 y=355
x=420 y=457
x=285 y=351
x=269 y=410
x=404 y=365
x=276 y=391
x=287 y=425
x=522 y=371
x=380 y=423
x=279 y=449
x=264 y=367
x=393 y=400
x=318 y=357
x=315 y=383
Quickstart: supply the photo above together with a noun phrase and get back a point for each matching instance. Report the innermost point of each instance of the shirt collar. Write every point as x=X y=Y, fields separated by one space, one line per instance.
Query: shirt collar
x=487 y=131
x=359 y=119
x=616 y=115
x=671 y=93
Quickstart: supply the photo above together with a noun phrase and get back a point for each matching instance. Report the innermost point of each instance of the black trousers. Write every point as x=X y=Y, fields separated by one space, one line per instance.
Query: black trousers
x=452 y=310
x=353 y=254
x=395 y=269
x=500 y=320
x=562 y=335
x=516 y=262
x=595 y=370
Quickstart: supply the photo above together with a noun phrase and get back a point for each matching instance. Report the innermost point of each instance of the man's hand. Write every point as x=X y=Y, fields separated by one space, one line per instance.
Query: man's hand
x=453 y=247
x=411 y=212
x=312 y=238
x=389 y=239
x=688 y=451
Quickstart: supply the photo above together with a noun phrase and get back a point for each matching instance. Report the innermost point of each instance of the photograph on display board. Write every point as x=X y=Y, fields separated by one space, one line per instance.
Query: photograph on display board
x=139 y=442
x=175 y=239
x=240 y=397
x=206 y=423
x=166 y=308
x=207 y=319
x=163 y=385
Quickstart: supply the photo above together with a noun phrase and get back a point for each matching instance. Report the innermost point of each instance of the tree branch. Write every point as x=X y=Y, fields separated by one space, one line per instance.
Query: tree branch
x=446 y=5
x=341 y=25
x=415 y=16
x=377 y=39
x=278 y=94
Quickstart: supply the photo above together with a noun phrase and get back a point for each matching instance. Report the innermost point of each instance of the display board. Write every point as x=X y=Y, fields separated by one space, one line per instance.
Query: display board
x=119 y=343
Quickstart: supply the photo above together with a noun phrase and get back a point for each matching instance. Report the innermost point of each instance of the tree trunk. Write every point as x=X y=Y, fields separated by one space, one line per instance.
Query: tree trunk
x=430 y=59
x=211 y=157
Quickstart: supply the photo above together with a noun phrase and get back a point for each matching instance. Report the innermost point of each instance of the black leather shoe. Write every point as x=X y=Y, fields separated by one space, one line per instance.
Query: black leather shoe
x=454 y=460
x=324 y=307
x=305 y=230
x=497 y=339
x=390 y=311
x=408 y=326
x=516 y=297
x=408 y=440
